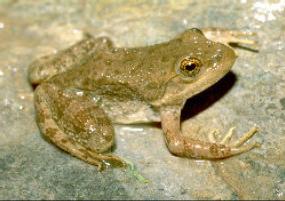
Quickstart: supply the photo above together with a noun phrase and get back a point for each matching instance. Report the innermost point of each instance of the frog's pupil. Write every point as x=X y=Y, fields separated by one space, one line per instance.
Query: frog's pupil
x=190 y=66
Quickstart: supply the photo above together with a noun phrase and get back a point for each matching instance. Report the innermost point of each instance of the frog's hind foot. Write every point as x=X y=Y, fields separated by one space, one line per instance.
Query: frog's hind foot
x=76 y=125
x=101 y=161
x=236 y=147
x=231 y=37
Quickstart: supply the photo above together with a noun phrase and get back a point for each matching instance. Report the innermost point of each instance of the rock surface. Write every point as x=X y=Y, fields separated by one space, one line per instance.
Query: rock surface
x=252 y=93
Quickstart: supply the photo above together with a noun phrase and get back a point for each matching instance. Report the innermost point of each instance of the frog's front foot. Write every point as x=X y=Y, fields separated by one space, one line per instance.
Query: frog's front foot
x=181 y=145
x=238 y=146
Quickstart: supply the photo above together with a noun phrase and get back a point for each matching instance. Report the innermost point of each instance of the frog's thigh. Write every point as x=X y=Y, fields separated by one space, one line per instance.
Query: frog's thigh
x=72 y=57
x=75 y=124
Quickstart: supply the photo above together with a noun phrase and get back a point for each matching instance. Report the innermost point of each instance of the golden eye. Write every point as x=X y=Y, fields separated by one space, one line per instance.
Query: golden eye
x=190 y=66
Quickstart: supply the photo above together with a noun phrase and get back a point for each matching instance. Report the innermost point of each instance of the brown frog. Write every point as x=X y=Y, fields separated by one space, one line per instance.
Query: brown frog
x=84 y=89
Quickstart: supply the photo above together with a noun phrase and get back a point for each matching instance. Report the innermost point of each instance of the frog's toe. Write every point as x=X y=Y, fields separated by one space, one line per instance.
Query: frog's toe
x=228 y=136
x=213 y=136
x=245 y=137
x=239 y=146
x=241 y=37
x=244 y=148
x=113 y=160
x=228 y=36
x=103 y=160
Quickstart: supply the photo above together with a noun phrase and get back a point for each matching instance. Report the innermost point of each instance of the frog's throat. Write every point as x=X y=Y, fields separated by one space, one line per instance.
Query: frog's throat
x=179 y=98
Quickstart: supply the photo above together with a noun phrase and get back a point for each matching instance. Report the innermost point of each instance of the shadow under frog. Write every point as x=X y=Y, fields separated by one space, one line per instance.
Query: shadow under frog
x=208 y=97
x=81 y=91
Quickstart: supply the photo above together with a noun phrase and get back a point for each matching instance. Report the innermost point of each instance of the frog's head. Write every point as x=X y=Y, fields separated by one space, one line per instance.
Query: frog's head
x=197 y=64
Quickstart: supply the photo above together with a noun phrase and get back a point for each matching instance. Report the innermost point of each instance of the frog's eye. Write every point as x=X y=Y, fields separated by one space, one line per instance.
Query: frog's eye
x=189 y=67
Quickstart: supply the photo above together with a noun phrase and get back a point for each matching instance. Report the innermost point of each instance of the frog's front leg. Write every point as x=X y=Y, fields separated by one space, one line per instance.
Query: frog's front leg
x=72 y=57
x=75 y=124
x=180 y=145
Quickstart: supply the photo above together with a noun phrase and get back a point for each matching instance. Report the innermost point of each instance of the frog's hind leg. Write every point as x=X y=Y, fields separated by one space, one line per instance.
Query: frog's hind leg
x=74 y=56
x=227 y=36
x=76 y=125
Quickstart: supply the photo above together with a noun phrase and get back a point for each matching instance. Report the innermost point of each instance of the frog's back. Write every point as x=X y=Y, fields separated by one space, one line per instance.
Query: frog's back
x=48 y=66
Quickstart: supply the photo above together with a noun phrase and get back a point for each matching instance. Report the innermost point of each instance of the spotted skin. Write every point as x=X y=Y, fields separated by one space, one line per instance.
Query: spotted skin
x=81 y=91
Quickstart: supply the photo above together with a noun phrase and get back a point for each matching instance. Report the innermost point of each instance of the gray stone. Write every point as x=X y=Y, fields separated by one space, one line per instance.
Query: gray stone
x=252 y=93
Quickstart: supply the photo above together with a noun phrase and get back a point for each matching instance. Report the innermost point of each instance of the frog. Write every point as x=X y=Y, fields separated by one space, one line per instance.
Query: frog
x=84 y=90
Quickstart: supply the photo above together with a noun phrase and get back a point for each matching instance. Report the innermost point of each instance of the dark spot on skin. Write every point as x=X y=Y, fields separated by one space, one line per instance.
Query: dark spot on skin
x=225 y=151
x=214 y=149
x=86 y=82
x=151 y=51
x=165 y=59
x=179 y=40
x=190 y=149
x=51 y=132
x=219 y=150
x=98 y=57
x=152 y=85
x=116 y=71
x=64 y=141
x=40 y=117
